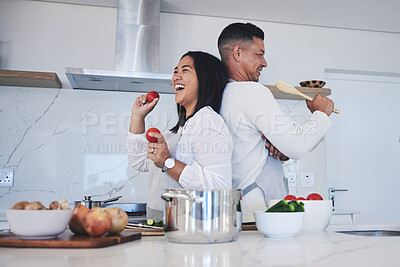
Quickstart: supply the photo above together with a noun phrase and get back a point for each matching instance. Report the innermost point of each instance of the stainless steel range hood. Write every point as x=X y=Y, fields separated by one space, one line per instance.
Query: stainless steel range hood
x=136 y=54
x=109 y=80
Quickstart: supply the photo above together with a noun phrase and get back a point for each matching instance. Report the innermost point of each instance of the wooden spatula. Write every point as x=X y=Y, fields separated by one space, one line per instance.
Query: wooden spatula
x=288 y=88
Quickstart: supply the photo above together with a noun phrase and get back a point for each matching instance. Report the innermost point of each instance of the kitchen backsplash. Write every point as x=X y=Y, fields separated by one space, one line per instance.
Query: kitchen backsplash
x=70 y=143
x=65 y=143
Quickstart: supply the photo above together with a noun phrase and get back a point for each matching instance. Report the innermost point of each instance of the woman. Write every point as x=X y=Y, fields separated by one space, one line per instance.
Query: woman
x=197 y=153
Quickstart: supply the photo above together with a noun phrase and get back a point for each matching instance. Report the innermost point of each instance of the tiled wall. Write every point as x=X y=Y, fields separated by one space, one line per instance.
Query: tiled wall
x=67 y=143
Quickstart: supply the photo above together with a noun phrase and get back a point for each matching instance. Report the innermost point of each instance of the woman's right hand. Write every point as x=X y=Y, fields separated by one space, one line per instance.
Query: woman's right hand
x=141 y=107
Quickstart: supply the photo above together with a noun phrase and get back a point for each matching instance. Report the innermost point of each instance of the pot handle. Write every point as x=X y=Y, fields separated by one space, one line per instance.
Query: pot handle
x=112 y=199
x=168 y=196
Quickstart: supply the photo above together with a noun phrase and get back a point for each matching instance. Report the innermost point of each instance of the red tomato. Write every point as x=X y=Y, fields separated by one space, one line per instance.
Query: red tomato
x=314 y=196
x=150 y=138
x=301 y=198
x=290 y=197
x=151 y=96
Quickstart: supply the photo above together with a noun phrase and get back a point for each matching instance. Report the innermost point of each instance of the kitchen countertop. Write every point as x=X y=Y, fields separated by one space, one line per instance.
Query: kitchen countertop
x=323 y=248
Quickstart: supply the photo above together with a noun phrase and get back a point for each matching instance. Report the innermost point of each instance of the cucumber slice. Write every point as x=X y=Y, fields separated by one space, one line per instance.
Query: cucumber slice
x=286 y=208
x=292 y=206
x=298 y=206
x=278 y=205
x=159 y=224
x=150 y=222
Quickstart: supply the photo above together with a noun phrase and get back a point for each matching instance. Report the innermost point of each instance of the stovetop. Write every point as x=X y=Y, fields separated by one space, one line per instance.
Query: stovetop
x=134 y=210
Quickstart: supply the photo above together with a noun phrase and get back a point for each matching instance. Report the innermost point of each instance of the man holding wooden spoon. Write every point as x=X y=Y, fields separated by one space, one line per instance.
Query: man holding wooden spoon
x=249 y=109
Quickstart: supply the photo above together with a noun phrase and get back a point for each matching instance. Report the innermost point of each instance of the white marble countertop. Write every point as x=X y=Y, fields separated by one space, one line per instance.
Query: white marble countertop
x=324 y=248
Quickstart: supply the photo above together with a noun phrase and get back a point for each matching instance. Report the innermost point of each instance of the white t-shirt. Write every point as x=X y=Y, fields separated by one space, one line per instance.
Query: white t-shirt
x=203 y=144
x=248 y=109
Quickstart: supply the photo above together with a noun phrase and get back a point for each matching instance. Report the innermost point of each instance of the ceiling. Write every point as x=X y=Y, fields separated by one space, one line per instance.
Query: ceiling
x=370 y=15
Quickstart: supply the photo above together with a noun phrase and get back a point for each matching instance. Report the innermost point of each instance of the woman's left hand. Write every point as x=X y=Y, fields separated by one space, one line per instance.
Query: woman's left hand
x=158 y=152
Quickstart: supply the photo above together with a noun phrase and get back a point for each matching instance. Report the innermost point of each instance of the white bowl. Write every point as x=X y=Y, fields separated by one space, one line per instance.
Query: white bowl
x=38 y=224
x=279 y=224
x=317 y=215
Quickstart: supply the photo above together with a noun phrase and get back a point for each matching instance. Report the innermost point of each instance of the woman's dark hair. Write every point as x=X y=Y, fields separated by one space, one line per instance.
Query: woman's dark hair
x=212 y=77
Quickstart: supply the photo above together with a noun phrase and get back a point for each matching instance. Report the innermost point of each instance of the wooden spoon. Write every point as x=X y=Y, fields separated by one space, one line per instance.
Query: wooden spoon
x=288 y=88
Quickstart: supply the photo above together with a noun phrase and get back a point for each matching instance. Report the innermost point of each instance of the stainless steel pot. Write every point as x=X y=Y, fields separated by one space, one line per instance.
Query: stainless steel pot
x=88 y=202
x=202 y=216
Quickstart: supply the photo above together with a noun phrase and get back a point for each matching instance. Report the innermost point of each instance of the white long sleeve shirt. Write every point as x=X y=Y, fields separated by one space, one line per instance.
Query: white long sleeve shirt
x=248 y=109
x=203 y=144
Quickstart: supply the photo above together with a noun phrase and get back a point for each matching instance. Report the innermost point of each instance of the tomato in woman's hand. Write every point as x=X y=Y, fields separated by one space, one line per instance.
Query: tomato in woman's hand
x=151 y=96
x=152 y=139
x=301 y=198
x=290 y=197
x=314 y=196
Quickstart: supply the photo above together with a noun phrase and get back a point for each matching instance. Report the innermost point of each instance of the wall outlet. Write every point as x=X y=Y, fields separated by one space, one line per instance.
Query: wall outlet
x=6 y=177
x=292 y=179
x=307 y=179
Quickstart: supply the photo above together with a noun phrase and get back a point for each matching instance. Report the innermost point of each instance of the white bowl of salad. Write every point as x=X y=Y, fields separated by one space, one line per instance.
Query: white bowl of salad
x=283 y=219
x=279 y=224
x=318 y=212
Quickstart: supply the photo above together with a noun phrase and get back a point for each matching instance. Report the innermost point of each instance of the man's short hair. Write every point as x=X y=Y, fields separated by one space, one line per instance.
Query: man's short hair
x=237 y=33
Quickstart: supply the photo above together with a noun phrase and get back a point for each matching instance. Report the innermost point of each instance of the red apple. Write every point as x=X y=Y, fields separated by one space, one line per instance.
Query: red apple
x=119 y=219
x=151 y=96
x=314 y=196
x=97 y=221
x=75 y=224
x=290 y=197
x=152 y=139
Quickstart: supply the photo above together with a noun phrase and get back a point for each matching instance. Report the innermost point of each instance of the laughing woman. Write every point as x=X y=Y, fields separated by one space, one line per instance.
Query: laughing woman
x=196 y=153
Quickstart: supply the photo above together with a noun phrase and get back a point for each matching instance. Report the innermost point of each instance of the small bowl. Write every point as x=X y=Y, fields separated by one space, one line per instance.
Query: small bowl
x=279 y=224
x=38 y=224
x=318 y=214
x=312 y=84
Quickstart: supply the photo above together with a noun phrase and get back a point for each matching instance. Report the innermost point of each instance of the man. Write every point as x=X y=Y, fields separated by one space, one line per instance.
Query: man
x=251 y=112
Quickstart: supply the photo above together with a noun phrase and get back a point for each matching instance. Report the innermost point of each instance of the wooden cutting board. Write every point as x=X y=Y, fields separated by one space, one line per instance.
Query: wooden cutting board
x=69 y=240
x=146 y=231
x=249 y=227
x=160 y=232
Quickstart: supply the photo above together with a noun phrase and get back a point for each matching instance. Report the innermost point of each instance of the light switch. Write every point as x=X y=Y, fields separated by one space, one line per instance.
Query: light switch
x=307 y=179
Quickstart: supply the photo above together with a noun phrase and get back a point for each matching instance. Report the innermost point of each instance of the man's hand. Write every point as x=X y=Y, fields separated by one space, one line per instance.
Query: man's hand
x=273 y=151
x=321 y=103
